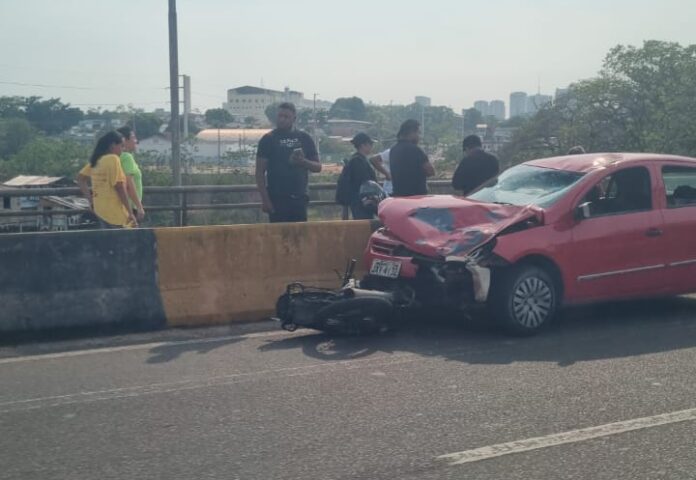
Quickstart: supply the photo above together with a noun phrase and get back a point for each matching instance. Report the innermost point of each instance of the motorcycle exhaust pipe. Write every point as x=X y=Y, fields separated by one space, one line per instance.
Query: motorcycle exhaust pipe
x=361 y=293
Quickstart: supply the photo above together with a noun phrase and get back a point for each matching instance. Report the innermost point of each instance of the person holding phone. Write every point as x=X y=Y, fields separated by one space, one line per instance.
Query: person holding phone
x=284 y=158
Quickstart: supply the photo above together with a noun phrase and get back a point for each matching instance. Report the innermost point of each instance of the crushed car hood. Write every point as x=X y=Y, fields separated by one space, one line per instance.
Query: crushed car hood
x=447 y=226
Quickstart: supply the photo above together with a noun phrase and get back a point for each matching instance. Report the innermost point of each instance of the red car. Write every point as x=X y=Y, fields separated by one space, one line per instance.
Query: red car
x=546 y=233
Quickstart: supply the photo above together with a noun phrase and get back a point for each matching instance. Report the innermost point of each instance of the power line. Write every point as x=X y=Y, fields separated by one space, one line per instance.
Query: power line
x=20 y=84
x=117 y=104
x=72 y=87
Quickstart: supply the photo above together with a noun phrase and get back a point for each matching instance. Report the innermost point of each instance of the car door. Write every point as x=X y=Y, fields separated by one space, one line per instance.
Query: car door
x=618 y=247
x=679 y=213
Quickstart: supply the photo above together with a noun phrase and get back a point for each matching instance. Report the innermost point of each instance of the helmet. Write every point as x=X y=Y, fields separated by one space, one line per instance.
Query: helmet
x=371 y=193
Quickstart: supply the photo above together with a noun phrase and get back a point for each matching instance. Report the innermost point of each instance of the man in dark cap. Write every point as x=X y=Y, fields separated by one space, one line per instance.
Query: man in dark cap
x=476 y=168
x=359 y=172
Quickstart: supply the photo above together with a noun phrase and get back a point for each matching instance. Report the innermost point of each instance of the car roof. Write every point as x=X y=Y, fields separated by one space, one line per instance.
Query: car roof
x=595 y=161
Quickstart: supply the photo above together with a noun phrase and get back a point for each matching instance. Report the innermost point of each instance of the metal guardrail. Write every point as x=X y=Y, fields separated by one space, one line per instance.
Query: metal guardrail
x=180 y=209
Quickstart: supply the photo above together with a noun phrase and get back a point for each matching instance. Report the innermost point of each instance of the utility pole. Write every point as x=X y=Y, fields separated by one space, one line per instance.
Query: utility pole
x=314 y=123
x=187 y=104
x=174 y=92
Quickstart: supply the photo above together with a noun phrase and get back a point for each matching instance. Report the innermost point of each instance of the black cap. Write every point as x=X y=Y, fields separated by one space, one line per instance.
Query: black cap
x=361 y=139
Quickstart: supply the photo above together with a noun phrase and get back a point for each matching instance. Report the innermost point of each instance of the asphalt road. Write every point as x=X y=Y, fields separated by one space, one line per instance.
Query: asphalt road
x=237 y=403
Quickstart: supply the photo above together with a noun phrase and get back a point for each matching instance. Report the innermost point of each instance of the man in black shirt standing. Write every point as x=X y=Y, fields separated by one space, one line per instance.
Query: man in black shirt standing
x=283 y=160
x=476 y=168
x=409 y=164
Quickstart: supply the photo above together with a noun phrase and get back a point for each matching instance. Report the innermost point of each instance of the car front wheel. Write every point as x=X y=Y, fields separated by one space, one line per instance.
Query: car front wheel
x=524 y=299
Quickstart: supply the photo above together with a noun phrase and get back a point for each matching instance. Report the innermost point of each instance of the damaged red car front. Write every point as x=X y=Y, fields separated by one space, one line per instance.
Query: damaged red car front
x=463 y=252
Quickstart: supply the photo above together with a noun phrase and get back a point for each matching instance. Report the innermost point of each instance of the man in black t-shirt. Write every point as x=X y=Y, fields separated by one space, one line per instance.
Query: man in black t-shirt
x=476 y=168
x=283 y=160
x=409 y=164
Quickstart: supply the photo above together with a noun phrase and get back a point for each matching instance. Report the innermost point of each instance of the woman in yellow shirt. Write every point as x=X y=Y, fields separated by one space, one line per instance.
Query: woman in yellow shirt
x=108 y=196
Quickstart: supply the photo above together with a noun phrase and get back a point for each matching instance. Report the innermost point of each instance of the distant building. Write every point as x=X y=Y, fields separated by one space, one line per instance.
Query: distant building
x=423 y=101
x=204 y=147
x=494 y=138
x=518 y=104
x=159 y=144
x=248 y=101
x=89 y=128
x=497 y=109
x=243 y=142
x=483 y=107
x=537 y=102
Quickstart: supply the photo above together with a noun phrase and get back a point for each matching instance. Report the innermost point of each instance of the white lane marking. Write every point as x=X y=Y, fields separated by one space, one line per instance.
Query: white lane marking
x=223 y=380
x=140 y=346
x=572 y=436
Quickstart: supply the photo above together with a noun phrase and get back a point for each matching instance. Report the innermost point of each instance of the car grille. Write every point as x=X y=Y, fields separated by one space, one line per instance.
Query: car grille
x=389 y=249
x=383 y=248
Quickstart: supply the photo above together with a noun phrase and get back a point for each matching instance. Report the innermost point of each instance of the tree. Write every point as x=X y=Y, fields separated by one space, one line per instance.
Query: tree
x=12 y=107
x=305 y=118
x=193 y=128
x=218 y=117
x=453 y=155
x=472 y=117
x=352 y=108
x=643 y=100
x=332 y=147
x=15 y=133
x=51 y=116
x=272 y=113
x=513 y=122
x=250 y=122
x=46 y=156
x=146 y=125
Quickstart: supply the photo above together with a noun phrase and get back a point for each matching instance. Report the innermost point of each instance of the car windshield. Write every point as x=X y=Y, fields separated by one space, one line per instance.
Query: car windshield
x=526 y=185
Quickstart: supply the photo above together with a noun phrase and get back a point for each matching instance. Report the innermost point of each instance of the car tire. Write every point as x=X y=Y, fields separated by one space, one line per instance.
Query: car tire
x=524 y=299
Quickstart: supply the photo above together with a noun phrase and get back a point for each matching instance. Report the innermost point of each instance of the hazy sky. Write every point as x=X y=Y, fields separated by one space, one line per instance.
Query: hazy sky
x=455 y=51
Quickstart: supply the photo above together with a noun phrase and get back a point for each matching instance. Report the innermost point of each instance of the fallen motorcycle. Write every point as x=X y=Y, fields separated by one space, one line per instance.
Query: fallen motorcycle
x=348 y=310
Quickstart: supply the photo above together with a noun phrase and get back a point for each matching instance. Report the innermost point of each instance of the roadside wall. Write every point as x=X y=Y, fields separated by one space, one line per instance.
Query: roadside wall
x=212 y=275
x=167 y=277
x=70 y=279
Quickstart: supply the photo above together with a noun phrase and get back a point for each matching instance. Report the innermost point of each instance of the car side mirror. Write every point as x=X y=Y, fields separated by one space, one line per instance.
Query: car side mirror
x=582 y=212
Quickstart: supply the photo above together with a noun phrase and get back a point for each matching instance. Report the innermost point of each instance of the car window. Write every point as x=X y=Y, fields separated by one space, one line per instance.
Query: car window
x=624 y=191
x=527 y=185
x=680 y=186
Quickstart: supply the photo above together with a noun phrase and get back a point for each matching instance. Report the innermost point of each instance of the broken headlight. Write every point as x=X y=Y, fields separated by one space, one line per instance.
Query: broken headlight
x=485 y=257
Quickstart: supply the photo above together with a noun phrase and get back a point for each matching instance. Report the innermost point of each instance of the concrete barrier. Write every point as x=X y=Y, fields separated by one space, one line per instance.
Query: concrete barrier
x=72 y=279
x=174 y=277
x=213 y=275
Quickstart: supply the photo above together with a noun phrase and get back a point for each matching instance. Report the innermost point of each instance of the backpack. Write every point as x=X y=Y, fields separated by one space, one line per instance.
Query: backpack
x=343 y=193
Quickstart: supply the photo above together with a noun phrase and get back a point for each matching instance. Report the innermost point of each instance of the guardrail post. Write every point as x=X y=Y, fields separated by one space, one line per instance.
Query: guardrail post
x=184 y=209
x=177 y=209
